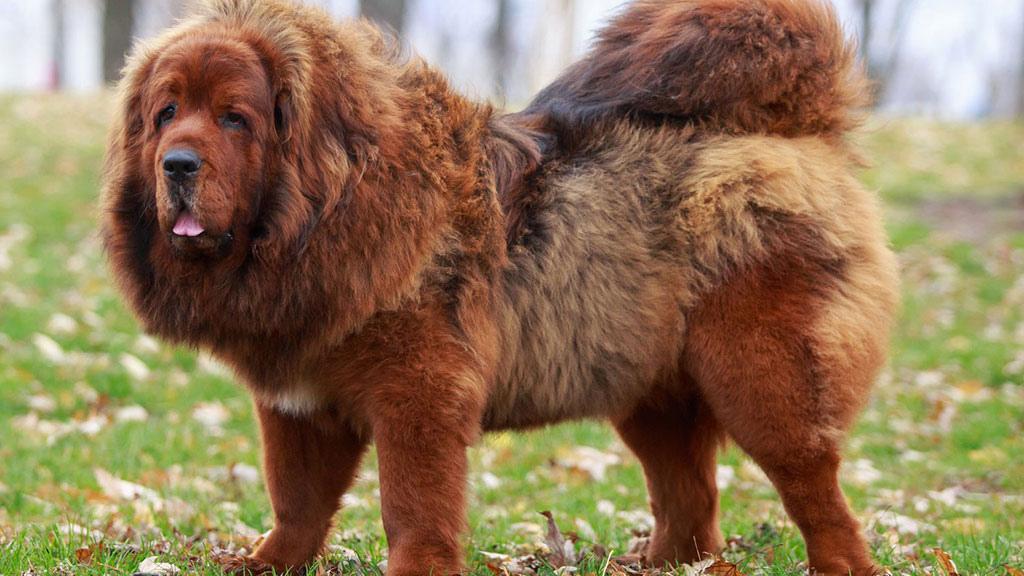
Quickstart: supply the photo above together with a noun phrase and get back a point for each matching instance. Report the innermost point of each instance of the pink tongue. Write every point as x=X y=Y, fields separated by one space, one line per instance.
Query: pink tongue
x=187 y=225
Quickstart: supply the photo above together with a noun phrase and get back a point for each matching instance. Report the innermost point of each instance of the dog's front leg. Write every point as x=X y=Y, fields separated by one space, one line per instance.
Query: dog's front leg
x=307 y=469
x=422 y=424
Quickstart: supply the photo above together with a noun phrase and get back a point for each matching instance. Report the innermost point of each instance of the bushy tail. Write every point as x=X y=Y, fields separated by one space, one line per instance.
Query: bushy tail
x=741 y=66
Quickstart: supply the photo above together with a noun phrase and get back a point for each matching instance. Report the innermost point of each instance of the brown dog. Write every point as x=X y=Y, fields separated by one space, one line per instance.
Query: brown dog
x=669 y=237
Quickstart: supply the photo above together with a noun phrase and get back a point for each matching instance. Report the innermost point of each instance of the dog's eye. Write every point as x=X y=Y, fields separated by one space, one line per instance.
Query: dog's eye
x=166 y=115
x=233 y=120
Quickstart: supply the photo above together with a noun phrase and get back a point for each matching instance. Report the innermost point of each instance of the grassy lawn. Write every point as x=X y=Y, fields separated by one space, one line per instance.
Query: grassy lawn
x=115 y=448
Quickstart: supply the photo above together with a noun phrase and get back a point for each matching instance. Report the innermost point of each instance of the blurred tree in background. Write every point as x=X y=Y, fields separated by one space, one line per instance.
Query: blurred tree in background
x=388 y=12
x=938 y=57
x=500 y=46
x=881 y=38
x=1020 y=76
x=118 y=23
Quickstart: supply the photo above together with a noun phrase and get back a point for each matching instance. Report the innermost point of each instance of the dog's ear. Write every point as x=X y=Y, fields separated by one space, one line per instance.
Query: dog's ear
x=122 y=174
x=284 y=116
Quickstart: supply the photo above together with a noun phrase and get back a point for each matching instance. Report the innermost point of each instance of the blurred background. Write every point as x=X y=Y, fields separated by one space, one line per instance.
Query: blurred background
x=115 y=447
x=946 y=58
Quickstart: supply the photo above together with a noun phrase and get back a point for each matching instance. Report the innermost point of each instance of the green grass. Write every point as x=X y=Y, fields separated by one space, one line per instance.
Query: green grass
x=944 y=431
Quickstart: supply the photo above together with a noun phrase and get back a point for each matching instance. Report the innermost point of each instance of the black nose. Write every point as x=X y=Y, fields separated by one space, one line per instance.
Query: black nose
x=181 y=164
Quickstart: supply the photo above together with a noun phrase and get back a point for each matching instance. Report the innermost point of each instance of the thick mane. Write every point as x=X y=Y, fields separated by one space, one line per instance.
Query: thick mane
x=361 y=184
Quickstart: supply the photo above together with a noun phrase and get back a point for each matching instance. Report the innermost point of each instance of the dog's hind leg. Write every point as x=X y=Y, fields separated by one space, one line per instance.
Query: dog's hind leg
x=785 y=355
x=676 y=444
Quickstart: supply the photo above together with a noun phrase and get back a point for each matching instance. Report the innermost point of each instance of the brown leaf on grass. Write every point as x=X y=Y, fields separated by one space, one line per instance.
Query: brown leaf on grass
x=945 y=561
x=505 y=565
x=495 y=568
x=636 y=552
x=561 y=550
x=521 y=566
x=619 y=566
x=84 y=555
x=1012 y=570
x=626 y=564
x=723 y=568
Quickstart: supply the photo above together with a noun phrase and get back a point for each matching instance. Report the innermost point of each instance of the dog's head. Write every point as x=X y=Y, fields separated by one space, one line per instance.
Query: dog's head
x=211 y=122
x=244 y=127
x=203 y=160
x=236 y=132
x=254 y=142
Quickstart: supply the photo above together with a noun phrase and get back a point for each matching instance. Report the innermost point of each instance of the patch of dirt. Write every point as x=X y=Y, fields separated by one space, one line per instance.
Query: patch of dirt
x=974 y=219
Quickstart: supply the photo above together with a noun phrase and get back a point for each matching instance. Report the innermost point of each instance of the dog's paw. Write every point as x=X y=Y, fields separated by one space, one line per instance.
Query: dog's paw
x=238 y=565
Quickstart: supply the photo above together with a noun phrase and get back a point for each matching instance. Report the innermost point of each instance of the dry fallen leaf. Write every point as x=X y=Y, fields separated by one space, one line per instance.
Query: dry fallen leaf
x=132 y=413
x=84 y=555
x=903 y=524
x=945 y=561
x=861 y=472
x=211 y=415
x=697 y=568
x=562 y=552
x=723 y=568
x=61 y=325
x=244 y=473
x=151 y=567
x=494 y=561
x=490 y=481
x=528 y=530
x=1012 y=571
x=724 y=476
x=589 y=461
x=627 y=564
x=118 y=489
x=146 y=345
x=637 y=520
x=585 y=531
x=606 y=507
x=521 y=566
x=49 y=348
x=135 y=367
x=42 y=403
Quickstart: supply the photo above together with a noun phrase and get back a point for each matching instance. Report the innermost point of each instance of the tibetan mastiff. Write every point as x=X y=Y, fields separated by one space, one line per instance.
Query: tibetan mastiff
x=669 y=238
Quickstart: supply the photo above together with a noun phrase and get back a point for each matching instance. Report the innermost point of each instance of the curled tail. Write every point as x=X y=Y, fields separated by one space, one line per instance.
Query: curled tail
x=739 y=66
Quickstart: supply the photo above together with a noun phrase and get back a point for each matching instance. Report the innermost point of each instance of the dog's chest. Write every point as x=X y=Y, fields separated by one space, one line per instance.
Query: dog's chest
x=300 y=398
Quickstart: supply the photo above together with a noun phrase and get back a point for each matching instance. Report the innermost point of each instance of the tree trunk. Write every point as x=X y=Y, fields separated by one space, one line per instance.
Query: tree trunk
x=500 y=47
x=1020 y=76
x=866 y=28
x=56 y=79
x=389 y=13
x=118 y=22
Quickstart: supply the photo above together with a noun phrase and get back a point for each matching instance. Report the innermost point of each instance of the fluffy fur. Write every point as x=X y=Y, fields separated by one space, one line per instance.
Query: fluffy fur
x=669 y=237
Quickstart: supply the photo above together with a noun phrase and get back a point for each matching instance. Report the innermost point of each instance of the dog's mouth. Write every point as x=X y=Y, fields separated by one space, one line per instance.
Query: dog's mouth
x=187 y=225
x=192 y=240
